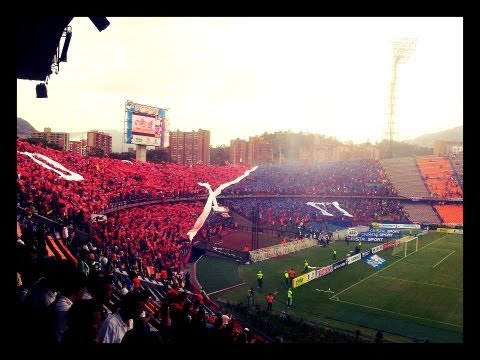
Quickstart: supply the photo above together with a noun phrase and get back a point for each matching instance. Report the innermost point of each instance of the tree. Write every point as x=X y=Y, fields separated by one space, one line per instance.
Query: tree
x=219 y=155
x=402 y=149
x=43 y=142
x=96 y=152
x=158 y=155
x=122 y=156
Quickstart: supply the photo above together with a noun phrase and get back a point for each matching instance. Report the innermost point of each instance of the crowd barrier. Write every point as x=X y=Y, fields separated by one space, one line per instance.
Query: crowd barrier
x=281 y=249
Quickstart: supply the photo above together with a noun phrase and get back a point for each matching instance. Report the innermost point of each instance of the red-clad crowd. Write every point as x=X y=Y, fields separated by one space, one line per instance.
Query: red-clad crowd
x=107 y=181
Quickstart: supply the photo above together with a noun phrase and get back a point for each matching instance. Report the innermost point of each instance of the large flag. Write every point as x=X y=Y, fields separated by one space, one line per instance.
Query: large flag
x=322 y=210
x=71 y=175
x=344 y=212
x=212 y=202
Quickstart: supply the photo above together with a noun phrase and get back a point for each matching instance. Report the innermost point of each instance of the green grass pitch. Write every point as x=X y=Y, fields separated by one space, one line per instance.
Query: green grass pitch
x=419 y=296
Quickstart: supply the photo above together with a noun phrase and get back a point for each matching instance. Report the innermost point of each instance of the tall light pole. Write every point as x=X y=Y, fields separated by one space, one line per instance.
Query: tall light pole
x=402 y=50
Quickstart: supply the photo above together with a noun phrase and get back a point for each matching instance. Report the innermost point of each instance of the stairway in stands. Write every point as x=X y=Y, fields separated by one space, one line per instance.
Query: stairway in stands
x=404 y=175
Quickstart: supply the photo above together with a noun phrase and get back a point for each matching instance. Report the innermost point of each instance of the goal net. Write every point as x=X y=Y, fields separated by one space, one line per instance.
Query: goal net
x=406 y=245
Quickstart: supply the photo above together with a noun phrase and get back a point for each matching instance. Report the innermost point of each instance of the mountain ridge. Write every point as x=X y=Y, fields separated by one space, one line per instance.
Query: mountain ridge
x=427 y=140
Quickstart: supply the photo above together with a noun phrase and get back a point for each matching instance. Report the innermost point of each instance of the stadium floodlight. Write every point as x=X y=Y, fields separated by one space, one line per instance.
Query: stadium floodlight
x=41 y=90
x=100 y=22
x=66 y=44
x=402 y=52
x=403 y=49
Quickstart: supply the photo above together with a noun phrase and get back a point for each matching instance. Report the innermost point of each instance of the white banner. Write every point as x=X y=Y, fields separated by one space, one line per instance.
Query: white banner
x=408 y=226
x=354 y=258
x=213 y=200
x=335 y=203
x=387 y=226
x=281 y=249
x=323 y=211
x=377 y=249
x=311 y=275
x=72 y=175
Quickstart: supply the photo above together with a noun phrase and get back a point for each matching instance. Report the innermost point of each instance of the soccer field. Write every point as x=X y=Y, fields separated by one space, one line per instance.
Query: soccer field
x=419 y=296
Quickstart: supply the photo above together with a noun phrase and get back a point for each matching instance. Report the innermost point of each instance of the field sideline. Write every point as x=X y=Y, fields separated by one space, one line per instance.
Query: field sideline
x=419 y=296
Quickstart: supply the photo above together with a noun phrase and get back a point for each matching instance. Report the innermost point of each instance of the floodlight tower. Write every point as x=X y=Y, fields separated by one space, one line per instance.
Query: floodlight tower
x=402 y=50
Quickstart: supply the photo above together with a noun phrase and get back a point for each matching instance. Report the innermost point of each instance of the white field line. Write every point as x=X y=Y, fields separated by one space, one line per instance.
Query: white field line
x=386 y=267
x=444 y=258
x=195 y=270
x=419 y=282
x=409 y=263
x=228 y=288
x=397 y=313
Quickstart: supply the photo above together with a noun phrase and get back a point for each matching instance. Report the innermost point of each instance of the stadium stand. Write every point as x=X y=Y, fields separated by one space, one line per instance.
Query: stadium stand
x=403 y=174
x=456 y=161
x=421 y=213
x=439 y=176
x=450 y=214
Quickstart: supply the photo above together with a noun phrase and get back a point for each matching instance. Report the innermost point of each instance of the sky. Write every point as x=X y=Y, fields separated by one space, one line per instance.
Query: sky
x=243 y=76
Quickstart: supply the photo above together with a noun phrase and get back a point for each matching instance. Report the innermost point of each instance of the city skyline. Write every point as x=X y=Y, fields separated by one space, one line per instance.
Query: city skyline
x=240 y=77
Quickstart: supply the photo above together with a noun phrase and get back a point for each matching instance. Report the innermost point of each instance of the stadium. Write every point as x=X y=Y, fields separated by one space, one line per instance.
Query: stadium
x=124 y=233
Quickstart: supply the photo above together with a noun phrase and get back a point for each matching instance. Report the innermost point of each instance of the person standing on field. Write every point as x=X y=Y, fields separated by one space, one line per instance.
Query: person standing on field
x=334 y=254
x=259 y=278
x=305 y=266
x=269 y=302
x=251 y=296
x=289 y=297
x=291 y=273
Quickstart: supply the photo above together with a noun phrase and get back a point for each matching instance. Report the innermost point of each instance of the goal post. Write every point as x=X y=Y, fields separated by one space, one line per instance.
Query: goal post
x=404 y=246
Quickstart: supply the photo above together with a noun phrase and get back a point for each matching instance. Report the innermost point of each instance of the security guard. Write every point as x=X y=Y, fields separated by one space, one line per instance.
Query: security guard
x=259 y=278
x=305 y=266
x=334 y=255
x=289 y=297
x=287 y=278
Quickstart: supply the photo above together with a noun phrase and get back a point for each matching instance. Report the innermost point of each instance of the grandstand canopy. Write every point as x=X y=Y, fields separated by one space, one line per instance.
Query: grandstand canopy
x=37 y=39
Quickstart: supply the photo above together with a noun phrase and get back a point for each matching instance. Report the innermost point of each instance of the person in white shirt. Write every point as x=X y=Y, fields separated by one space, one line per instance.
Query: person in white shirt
x=116 y=325
x=72 y=289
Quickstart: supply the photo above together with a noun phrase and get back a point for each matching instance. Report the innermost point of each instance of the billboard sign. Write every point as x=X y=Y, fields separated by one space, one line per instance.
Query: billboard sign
x=339 y=264
x=324 y=271
x=299 y=281
x=145 y=125
x=352 y=259
x=366 y=253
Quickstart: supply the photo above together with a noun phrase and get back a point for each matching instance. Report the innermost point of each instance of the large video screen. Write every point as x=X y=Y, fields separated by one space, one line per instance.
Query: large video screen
x=143 y=125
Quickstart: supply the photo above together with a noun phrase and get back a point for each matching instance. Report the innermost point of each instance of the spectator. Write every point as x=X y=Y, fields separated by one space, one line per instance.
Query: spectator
x=116 y=325
x=269 y=302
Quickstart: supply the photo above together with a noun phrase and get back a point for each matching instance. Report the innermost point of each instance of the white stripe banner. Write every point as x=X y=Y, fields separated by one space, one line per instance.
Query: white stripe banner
x=344 y=212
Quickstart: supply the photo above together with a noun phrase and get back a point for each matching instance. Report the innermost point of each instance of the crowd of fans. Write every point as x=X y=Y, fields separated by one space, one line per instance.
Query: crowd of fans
x=88 y=303
x=151 y=241
x=106 y=182
x=360 y=177
x=290 y=213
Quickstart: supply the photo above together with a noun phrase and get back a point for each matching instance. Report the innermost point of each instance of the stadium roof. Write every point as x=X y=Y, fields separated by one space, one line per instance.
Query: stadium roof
x=37 y=42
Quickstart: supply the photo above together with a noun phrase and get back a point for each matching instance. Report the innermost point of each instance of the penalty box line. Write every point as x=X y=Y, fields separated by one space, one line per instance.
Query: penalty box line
x=386 y=267
x=397 y=313
x=419 y=282
x=443 y=259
